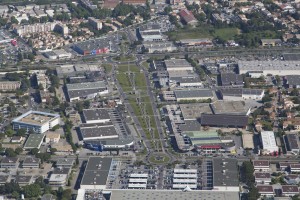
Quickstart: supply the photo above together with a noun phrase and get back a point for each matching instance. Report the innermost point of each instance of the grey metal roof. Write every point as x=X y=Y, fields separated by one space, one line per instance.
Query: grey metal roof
x=3 y=178
x=61 y=170
x=86 y=85
x=224 y=120
x=84 y=92
x=292 y=141
x=96 y=171
x=31 y=160
x=291 y=56
x=238 y=92
x=231 y=79
x=172 y=194
x=225 y=172
x=190 y=125
x=293 y=79
x=22 y=179
x=95 y=114
x=177 y=63
x=255 y=65
x=9 y=160
x=98 y=131
x=193 y=93
x=65 y=162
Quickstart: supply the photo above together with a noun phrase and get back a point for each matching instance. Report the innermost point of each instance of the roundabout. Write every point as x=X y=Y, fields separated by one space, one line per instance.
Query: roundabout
x=159 y=158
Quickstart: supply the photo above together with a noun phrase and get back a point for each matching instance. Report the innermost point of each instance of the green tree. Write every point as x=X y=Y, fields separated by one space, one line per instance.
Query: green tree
x=21 y=132
x=18 y=150
x=32 y=190
x=9 y=152
x=34 y=151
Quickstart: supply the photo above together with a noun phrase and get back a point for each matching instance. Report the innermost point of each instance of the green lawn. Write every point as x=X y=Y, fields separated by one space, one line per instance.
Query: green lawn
x=226 y=33
x=203 y=32
x=124 y=68
x=107 y=67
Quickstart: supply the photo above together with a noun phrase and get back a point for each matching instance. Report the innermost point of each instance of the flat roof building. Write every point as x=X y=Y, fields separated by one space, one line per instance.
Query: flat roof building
x=10 y=162
x=230 y=107
x=23 y=180
x=265 y=190
x=178 y=64
x=268 y=142
x=34 y=141
x=237 y=94
x=224 y=120
x=93 y=47
x=225 y=174
x=65 y=162
x=231 y=80
x=248 y=141
x=98 y=132
x=261 y=165
x=291 y=142
x=274 y=67
x=292 y=81
x=37 y=121
x=172 y=194
x=197 y=94
x=193 y=111
x=86 y=90
x=31 y=162
x=99 y=115
x=96 y=173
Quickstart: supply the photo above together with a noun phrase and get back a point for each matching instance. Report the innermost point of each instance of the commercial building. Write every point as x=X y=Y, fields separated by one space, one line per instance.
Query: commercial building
x=95 y=23
x=99 y=115
x=156 y=47
x=188 y=17
x=85 y=90
x=236 y=94
x=230 y=107
x=39 y=122
x=183 y=178
x=274 y=67
x=52 y=137
x=231 y=80
x=150 y=32
x=291 y=143
x=225 y=174
x=109 y=144
x=194 y=111
x=268 y=142
x=261 y=165
x=224 y=120
x=9 y=85
x=262 y=178
x=178 y=65
x=201 y=42
x=98 y=131
x=57 y=54
x=134 y=194
x=31 y=162
x=96 y=173
x=93 y=47
x=34 y=141
x=196 y=94
x=76 y=70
